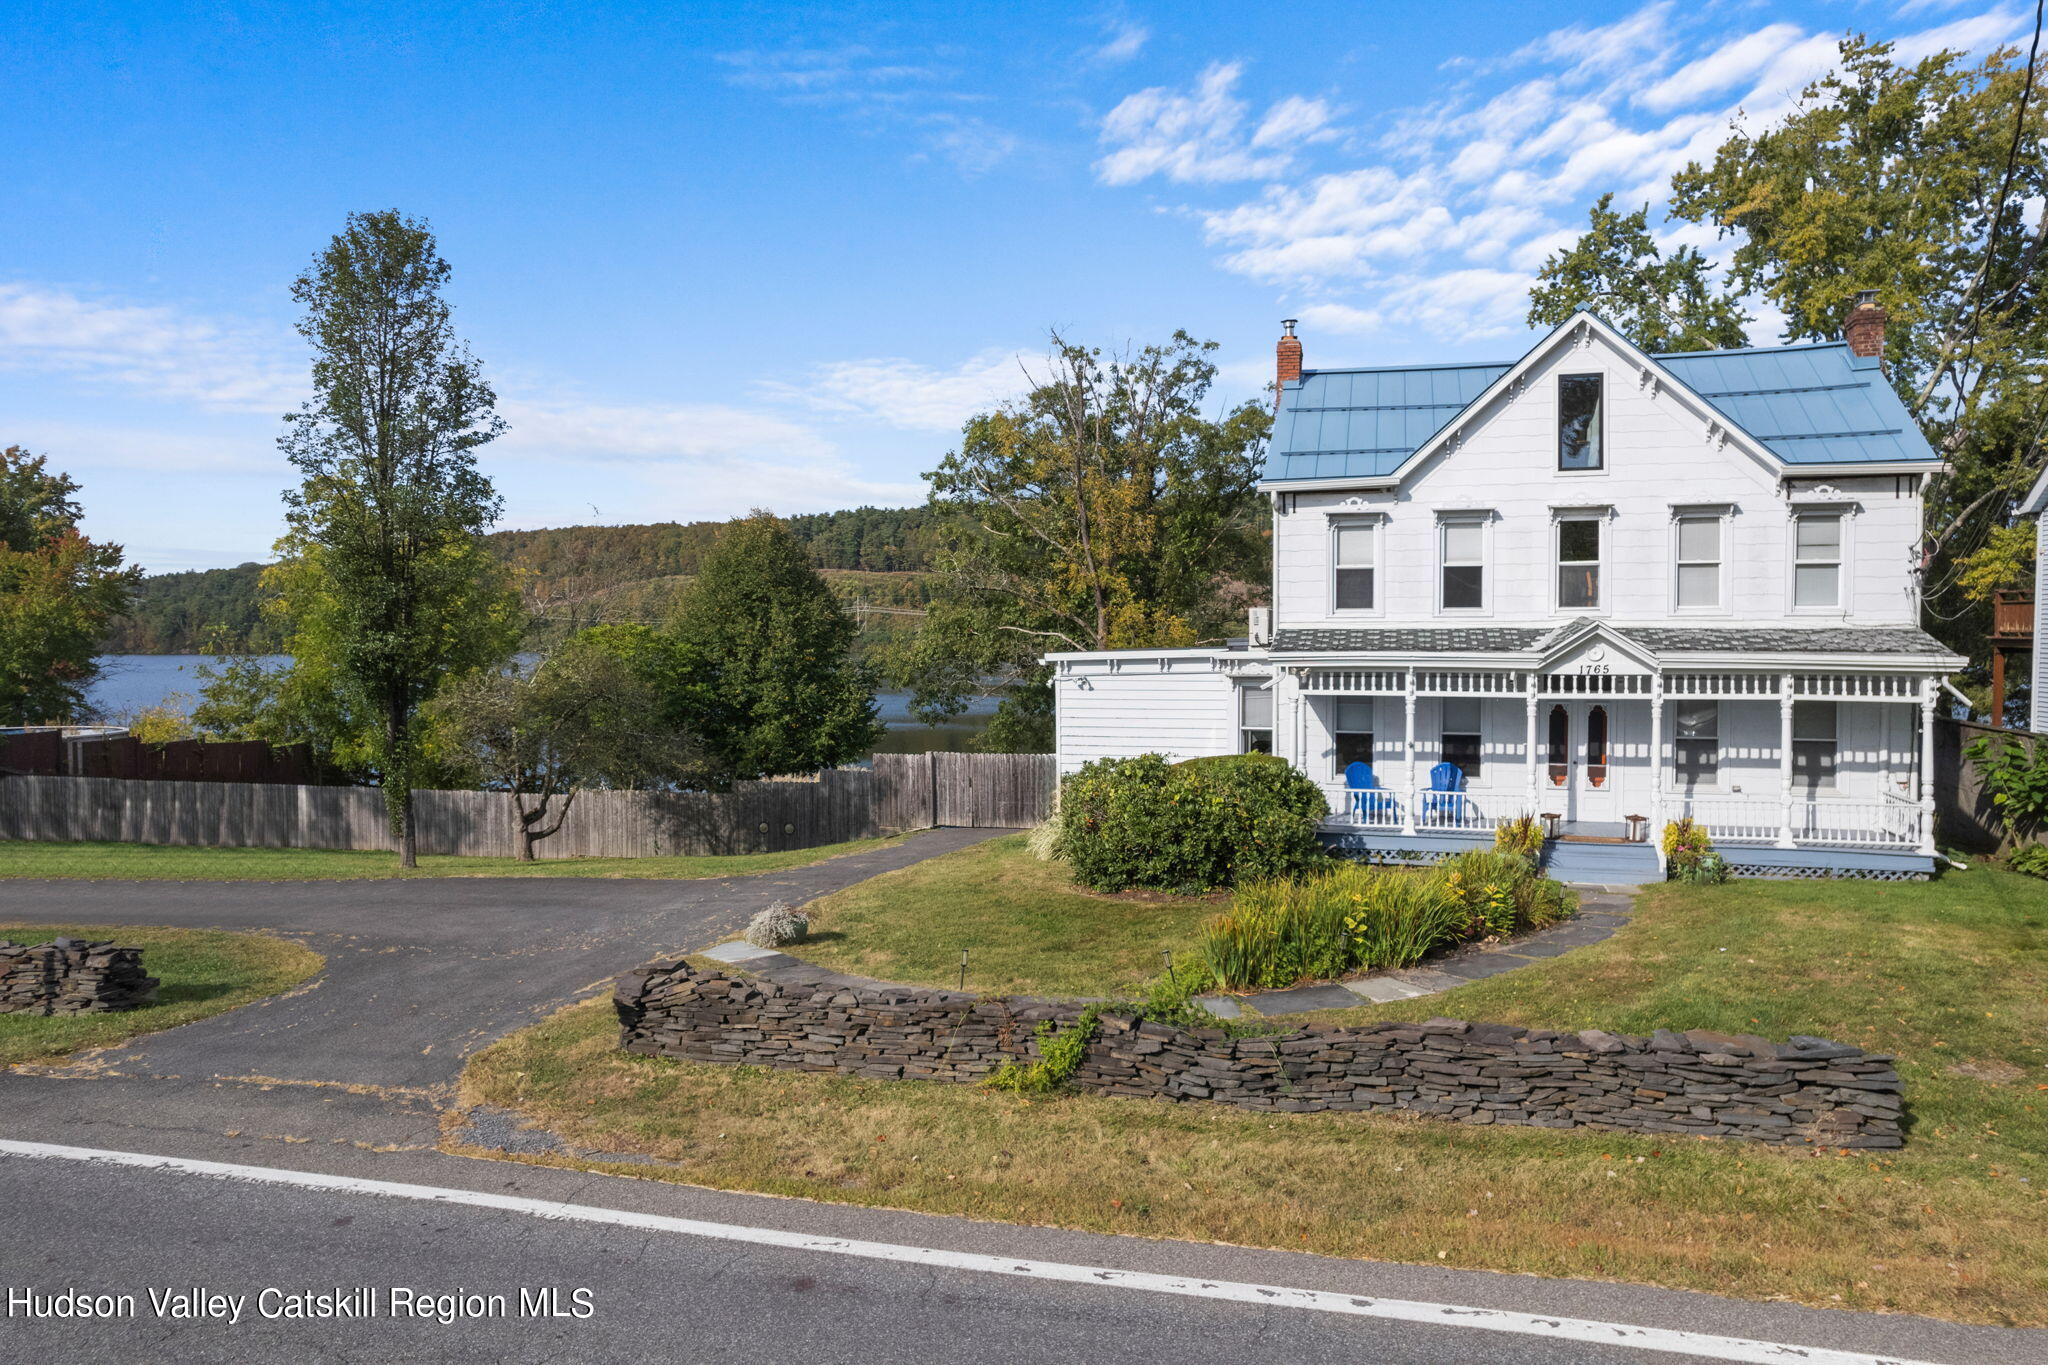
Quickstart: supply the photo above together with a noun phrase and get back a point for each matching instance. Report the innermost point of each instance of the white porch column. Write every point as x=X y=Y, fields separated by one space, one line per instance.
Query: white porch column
x=1408 y=751
x=1657 y=766
x=1785 y=760
x=1930 y=688
x=1535 y=772
x=1290 y=680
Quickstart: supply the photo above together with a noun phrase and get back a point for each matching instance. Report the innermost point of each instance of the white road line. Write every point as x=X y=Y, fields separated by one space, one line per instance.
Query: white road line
x=1270 y=1296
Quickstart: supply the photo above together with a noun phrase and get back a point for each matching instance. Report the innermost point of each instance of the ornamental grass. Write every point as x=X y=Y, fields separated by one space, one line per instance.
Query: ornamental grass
x=1353 y=918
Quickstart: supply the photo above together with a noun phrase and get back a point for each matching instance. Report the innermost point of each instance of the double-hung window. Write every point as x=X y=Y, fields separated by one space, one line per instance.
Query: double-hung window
x=1351 y=727
x=1578 y=563
x=1579 y=443
x=1697 y=572
x=1817 y=560
x=1696 y=747
x=1352 y=552
x=1813 y=746
x=1254 y=720
x=1463 y=736
x=1463 y=549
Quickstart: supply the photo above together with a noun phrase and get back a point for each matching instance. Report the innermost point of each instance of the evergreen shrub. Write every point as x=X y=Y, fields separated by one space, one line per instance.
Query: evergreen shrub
x=1189 y=827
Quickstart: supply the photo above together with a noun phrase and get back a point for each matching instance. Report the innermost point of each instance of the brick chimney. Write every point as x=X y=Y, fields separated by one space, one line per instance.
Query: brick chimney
x=1287 y=358
x=1864 y=331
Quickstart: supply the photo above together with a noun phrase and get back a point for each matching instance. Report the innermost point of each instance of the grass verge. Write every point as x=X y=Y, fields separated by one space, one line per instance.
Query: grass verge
x=1029 y=930
x=155 y=862
x=1952 y=976
x=204 y=971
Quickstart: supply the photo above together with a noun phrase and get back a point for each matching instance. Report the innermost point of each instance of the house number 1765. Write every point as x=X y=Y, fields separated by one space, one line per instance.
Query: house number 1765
x=1596 y=668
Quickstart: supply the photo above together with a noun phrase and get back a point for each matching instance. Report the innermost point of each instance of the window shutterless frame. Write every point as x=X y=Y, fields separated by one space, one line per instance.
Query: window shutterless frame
x=1696 y=743
x=1461 y=564
x=1354 y=565
x=1698 y=551
x=1581 y=423
x=1819 y=541
x=1578 y=542
x=1462 y=734
x=1254 y=720
x=1814 y=746
x=1351 y=726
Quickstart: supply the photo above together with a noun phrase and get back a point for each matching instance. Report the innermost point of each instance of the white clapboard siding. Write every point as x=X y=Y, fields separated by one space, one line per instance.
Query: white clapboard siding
x=1181 y=714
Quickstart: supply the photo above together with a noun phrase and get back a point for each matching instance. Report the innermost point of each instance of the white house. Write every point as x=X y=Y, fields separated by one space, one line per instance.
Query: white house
x=2035 y=504
x=1612 y=587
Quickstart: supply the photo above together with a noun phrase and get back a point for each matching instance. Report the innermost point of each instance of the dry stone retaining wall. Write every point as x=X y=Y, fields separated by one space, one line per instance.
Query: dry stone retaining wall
x=72 y=976
x=1807 y=1091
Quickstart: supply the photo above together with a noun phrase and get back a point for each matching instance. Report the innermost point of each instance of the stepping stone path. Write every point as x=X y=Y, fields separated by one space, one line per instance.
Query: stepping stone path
x=1602 y=910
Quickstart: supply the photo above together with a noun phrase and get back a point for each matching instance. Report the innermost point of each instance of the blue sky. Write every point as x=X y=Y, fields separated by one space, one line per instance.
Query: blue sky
x=721 y=256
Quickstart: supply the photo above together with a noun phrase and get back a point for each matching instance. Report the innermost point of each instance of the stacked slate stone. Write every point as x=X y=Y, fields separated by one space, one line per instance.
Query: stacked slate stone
x=72 y=976
x=1806 y=1091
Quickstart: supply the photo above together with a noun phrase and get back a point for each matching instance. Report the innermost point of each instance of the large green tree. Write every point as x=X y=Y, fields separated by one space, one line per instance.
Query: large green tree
x=581 y=718
x=1662 y=302
x=756 y=663
x=383 y=576
x=1922 y=182
x=58 y=591
x=1106 y=509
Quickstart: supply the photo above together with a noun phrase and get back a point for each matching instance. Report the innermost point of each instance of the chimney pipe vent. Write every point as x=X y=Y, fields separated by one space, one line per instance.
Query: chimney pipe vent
x=1864 y=330
x=1286 y=361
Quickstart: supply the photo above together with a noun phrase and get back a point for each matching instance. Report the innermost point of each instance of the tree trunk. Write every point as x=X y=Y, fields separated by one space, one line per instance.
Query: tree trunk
x=398 y=749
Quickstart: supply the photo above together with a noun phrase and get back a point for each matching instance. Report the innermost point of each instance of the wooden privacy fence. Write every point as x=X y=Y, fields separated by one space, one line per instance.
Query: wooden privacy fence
x=1964 y=812
x=898 y=792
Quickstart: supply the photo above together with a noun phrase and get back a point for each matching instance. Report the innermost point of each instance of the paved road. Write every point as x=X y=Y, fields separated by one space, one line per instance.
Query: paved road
x=352 y=1077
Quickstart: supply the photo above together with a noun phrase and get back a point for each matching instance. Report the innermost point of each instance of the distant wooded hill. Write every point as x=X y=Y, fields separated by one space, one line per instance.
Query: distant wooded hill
x=573 y=576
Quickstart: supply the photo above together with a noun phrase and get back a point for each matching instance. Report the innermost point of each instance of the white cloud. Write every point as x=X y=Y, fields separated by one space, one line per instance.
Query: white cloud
x=909 y=394
x=1440 y=230
x=1199 y=136
x=150 y=348
x=973 y=145
x=1341 y=317
x=1632 y=46
x=1722 y=69
x=1293 y=120
x=1126 y=40
x=915 y=94
x=82 y=447
x=651 y=432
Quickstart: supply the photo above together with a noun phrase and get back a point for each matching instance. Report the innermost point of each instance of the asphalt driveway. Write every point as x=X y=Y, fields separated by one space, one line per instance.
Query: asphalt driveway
x=419 y=974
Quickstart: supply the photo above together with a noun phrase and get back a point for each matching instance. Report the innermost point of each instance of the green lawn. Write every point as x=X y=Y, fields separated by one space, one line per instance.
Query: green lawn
x=154 y=862
x=1951 y=976
x=204 y=971
x=1027 y=928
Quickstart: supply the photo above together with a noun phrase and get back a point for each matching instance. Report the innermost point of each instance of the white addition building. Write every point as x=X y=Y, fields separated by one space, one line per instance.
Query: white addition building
x=1604 y=586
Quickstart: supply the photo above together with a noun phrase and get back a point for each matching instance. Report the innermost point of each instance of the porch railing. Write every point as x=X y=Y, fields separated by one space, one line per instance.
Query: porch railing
x=1886 y=821
x=1431 y=811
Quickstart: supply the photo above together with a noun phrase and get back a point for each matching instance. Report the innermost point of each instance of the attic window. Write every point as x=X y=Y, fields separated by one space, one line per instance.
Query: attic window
x=1578 y=422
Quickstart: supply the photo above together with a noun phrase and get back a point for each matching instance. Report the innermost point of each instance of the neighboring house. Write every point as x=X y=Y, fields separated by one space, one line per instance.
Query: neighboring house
x=2009 y=633
x=1601 y=584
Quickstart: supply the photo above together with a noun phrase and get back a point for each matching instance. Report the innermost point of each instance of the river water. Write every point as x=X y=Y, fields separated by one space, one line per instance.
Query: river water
x=131 y=682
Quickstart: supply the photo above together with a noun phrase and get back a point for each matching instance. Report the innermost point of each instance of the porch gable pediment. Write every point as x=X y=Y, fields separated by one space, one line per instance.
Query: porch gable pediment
x=1593 y=648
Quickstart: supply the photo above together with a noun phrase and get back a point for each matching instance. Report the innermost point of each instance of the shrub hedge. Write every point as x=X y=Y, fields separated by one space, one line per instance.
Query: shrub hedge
x=1189 y=827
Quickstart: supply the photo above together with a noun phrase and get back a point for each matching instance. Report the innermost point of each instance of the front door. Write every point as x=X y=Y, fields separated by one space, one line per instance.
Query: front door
x=1580 y=775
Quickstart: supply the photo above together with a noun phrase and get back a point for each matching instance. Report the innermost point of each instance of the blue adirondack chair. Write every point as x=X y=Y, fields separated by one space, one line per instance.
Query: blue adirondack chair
x=1368 y=801
x=1444 y=800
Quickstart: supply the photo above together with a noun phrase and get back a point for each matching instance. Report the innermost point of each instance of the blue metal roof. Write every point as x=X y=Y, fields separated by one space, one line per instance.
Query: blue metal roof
x=1815 y=404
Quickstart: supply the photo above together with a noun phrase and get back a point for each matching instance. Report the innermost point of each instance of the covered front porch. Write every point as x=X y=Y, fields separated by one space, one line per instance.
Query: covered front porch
x=1608 y=748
